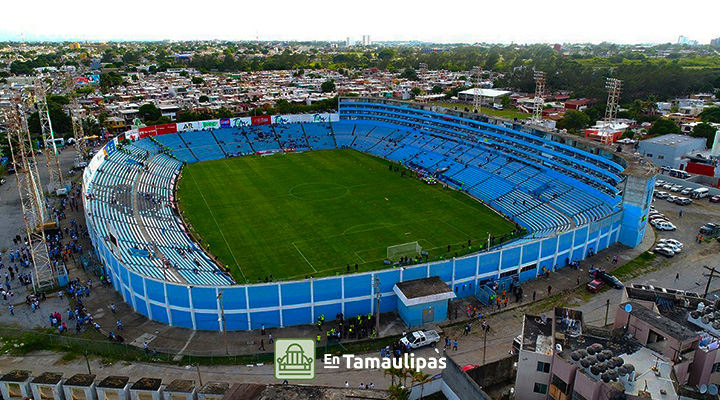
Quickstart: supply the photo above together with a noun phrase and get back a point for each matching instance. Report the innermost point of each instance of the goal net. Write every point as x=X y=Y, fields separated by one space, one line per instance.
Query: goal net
x=411 y=249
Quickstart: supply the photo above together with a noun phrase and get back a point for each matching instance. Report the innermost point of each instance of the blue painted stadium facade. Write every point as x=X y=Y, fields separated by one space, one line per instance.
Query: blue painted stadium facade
x=280 y=304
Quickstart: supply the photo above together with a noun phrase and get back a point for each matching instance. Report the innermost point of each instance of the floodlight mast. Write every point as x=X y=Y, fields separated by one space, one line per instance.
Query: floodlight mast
x=614 y=89
x=31 y=196
x=76 y=117
x=55 y=181
x=539 y=93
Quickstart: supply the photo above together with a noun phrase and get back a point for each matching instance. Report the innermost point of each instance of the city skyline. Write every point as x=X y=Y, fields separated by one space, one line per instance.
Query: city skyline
x=615 y=21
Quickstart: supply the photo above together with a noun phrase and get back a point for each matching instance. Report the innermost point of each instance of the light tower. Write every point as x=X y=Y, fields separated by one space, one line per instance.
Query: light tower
x=48 y=138
x=31 y=195
x=477 y=92
x=539 y=93
x=614 y=88
x=76 y=118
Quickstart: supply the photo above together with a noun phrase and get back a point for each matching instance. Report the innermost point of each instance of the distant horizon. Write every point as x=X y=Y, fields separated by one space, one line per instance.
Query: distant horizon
x=523 y=22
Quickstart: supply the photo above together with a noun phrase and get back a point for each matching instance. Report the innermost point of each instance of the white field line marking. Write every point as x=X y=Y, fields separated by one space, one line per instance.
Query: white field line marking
x=218 y=227
x=303 y=256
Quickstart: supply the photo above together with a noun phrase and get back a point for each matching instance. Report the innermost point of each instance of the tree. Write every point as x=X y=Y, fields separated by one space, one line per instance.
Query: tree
x=328 y=86
x=437 y=89
x=663 y=126
x=204 y=99
x=706 y=131
x=386 y=54
x=196 y=80
x=416 y=91
x=224 y=113
x=421 y=378
x=148 y=112
x=712 y=114
x=574 y=121
x=409 y=74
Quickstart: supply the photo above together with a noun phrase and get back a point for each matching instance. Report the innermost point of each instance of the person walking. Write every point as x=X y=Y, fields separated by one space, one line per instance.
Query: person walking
x=677 y=277
x=549 y=290
x=12 y=309
x=455 y=345
x=262 y=330
x=262 y=345
x=119 y=325
x=533 y=295
x=270 y=339
x=112 y=307
x=145 y=348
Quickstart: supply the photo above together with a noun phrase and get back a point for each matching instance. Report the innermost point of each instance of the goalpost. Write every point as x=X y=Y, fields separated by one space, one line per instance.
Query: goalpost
x=411 y=249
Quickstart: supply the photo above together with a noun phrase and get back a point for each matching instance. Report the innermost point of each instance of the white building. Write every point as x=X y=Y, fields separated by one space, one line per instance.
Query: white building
x=366 y=40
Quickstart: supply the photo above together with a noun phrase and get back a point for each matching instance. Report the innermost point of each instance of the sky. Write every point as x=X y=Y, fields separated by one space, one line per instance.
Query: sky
x=617 y=21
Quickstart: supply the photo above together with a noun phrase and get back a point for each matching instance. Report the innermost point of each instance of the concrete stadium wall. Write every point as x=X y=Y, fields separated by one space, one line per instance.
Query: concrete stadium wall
x=281 y=304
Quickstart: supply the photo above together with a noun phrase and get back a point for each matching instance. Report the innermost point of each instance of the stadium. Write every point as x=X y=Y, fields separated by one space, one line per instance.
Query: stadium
x=275 y=220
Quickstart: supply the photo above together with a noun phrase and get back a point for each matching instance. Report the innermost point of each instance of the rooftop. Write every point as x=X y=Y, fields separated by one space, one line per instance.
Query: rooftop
x=661 y=322
x=537 y=334
x=147 y=384
x=673 y=139
x=80 y=380
x=423 y=290
x=486 y=92
x=114 y=382
x=181 y=386
x=215 y=388
x=16 y=375
x=245 y=391
x=48 y=378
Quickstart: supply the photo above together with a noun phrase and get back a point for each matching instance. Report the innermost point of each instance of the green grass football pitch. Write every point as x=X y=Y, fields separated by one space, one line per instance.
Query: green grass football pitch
x=313 y=213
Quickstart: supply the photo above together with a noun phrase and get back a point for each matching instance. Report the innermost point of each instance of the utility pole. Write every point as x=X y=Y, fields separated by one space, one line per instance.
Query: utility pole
x=713 y=274
x=484 y=346
x=607 y=310
x=377 y=306
x=222 y=319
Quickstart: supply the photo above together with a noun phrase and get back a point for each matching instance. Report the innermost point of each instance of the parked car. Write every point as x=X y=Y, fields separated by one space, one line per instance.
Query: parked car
x=667 y=186
x=673 y=242
x=657 y=216
x=595 y=285
x=715 y=199
x=710 y=229
x=664 y=251
x=674 y=248
x=659 y=182
x=612 y=281
x=665 y=226
x=655 y=222
x=671 y=199
x=662 y=195
x=420 y=338
x=686 y=191
x=676 y=188
x=683 y=201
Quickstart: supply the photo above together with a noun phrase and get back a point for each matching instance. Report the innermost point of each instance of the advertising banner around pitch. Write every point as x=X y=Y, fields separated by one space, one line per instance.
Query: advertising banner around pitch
x=146 y=131
x=188 y=126
x=261 y=120
x=165 y=129
x=240 y=122
x=211 y=124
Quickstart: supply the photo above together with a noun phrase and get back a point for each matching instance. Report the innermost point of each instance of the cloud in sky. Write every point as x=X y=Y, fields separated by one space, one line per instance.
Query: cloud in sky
x=519 y=21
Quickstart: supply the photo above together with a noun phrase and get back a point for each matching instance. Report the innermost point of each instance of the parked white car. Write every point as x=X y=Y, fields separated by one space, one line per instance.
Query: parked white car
x=665 y=226
x=673 y=242
x=662 y=195
x=676 y=188
x=671 y=199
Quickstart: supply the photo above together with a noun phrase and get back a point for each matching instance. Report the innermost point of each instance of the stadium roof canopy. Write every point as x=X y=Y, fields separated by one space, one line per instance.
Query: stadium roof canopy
x=492 y=93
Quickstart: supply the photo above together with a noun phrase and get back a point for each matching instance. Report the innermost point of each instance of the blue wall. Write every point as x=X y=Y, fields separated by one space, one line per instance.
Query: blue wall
x=412 y=315
x=301 y=302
